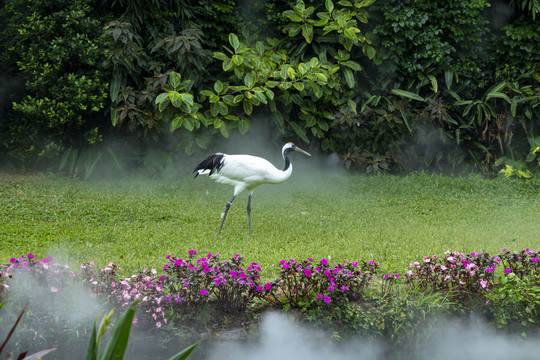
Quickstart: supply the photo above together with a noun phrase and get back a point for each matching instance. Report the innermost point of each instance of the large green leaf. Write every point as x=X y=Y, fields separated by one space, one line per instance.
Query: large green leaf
x=115 y=86
x=233 y=40
x=301 y=132
x=184 y=354
x=407 y=94
x=349 y=77
x=92 y=352
x=174 y=79
x=116 y=347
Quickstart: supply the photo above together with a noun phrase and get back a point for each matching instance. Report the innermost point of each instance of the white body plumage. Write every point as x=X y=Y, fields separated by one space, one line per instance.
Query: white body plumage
x=246 y=172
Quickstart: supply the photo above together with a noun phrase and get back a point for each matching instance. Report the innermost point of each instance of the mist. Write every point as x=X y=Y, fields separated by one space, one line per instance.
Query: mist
x=469 y=338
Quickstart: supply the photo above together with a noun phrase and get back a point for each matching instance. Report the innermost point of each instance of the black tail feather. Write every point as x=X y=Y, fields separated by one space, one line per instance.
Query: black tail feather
x=213 y=163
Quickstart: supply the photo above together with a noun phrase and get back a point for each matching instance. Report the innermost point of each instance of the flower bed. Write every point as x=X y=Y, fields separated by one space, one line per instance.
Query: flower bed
x=354 y=293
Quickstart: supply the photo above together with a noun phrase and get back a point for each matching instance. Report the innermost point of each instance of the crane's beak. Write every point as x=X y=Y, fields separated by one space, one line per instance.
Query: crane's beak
x=296 y=148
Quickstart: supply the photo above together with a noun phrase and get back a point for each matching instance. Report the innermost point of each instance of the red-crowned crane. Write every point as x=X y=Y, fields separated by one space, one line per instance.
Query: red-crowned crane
x=246 y=172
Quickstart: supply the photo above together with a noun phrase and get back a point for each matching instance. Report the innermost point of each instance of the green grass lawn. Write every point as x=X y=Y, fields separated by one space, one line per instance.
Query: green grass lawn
x=393 y=220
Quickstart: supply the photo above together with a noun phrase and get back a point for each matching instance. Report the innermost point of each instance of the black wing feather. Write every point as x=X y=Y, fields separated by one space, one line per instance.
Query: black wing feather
x=213 y=163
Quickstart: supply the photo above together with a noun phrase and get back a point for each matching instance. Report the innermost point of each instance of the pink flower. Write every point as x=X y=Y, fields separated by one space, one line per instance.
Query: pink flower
x=319 y=296
x=30 y=256
x=158 y=309
x=483 y=283
x=192 y=252
x=507 y=271
x=158 y=324
x=327 y=299
x=267 y=286
x=371 y=262
x=307 y=272
x=53 y=289
x=324 y=262
x=343 y=288
x=204 y=292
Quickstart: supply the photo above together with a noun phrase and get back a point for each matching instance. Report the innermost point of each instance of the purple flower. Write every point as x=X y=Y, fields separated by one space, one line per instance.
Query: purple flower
x=343 y=288
x=307 y=272
x=178 y=299
x=507 y=271
x=354 y=264
x=371 y=262
x=259 y=288
x=267 y=286
x=319 y=296
x=30 y=256
x=168 y=299
x=327 y=299
x=192 y=252
x=204 y=292
x=324 y=262
x=534 y=259
x=489 y=270
x=396 y=276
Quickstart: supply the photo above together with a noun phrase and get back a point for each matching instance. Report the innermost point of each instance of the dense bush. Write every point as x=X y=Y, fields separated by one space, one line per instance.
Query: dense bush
x=388 y=85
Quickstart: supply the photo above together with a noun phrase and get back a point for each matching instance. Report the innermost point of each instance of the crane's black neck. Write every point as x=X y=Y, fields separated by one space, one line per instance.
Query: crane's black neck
x=287 y=160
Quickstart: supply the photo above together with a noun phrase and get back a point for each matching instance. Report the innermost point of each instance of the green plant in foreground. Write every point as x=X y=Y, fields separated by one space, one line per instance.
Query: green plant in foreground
x=116 y=347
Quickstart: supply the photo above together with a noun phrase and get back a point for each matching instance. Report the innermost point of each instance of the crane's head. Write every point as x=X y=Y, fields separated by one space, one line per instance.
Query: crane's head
x=288 y=147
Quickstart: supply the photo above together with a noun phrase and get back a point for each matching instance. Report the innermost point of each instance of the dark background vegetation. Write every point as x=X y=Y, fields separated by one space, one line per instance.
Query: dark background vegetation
x=389 y=85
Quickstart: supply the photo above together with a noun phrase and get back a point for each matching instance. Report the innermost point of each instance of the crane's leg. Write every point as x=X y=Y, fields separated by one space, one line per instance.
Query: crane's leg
x=249 y=213
x=225 y=214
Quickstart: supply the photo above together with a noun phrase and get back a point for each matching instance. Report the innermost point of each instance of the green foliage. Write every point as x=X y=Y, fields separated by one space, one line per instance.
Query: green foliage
x=293 y=76
x=515 y=303
x=117 y=343
x=55 y=45
x=419 y=37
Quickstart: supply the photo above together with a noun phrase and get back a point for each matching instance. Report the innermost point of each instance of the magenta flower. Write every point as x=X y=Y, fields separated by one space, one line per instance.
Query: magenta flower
x=204 y=292
x=192 y=252
x=259 y=288
x=307 y=272
x=178 y=299
x=324 y=262
x=507 y=271
x=327 y=299
x=534 y=259
x=233 y=274
x=354 y=264
x=30 y=256
x=343 y=288
x=267 y=286
x=53 y=289
x=319 y=296
x=371 y=262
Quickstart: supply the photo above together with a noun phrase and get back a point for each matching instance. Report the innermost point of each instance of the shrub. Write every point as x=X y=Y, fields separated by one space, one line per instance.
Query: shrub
x=300 y=283
x=463 y=275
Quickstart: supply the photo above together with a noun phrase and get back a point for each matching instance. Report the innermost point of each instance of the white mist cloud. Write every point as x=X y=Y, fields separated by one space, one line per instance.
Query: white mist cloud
x=281 y=338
